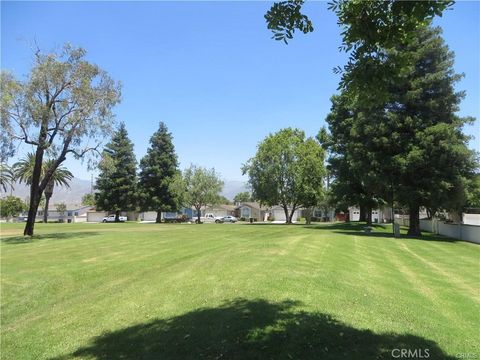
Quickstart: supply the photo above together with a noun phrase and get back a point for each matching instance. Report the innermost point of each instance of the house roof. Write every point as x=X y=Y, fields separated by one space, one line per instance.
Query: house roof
x=253 y=205
x=70 y=207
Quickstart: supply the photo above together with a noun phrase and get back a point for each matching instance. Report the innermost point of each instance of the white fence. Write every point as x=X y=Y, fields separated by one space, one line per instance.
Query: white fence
x=457 y=231
x=464 y=232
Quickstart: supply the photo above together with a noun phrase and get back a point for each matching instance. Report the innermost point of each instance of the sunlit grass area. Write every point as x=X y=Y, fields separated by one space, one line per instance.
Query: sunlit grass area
x=223 y=291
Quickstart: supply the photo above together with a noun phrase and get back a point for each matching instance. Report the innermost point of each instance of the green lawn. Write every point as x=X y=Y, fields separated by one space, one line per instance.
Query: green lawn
x=222 y=291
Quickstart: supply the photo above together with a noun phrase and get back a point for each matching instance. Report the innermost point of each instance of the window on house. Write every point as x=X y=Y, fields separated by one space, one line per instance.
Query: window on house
x=245 y=212
x=76 y=213
x=69 y=213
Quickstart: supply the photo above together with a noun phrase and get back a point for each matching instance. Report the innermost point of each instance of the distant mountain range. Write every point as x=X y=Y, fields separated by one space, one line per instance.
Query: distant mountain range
x=79 y=187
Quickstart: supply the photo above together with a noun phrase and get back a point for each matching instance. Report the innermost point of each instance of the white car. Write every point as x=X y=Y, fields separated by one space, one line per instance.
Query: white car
x=111 y=218
x=208 y=218
x=230 y=219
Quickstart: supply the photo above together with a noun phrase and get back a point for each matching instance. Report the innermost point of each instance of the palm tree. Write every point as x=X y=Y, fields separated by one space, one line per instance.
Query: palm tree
x=7 y=177
x=24 y=170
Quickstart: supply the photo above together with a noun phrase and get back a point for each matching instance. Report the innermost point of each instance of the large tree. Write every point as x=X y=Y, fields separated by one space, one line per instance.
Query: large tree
x=11 y=206
x=410 y=150
x=116 y=186
x=287 y=170
x=354 y=181
x=23 y=170
x=203 y=187
x=157 y=170
x=430 y=161
x=63 y=107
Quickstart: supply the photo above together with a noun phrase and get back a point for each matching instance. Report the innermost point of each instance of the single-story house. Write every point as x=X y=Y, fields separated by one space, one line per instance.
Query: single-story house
x=152 y=215
x=381 y=215
x=73 y=214
x=320 y=214
x=220 y=210
x=278 y=214
x=249 y=210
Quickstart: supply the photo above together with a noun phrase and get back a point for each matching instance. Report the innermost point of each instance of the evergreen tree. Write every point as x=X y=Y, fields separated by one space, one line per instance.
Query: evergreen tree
x=430 y=161
x=355 y=177
x=410 y=149
x=117 y=183
x=157 y=170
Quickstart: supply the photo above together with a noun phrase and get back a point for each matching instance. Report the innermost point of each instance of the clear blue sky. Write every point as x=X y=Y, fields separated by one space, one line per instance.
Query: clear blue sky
x=210 y=70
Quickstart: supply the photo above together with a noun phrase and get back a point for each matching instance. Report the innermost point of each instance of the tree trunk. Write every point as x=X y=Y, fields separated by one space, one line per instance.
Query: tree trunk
x=48 y=194
x=285 y=209
x=35 y=192
x=368 y=214
x=291 y=215
x=117 y=216
x=199 y=214
x=45 y=209
x=362 y=216
x=308 y=215
x=414 y=221
x=158 y=220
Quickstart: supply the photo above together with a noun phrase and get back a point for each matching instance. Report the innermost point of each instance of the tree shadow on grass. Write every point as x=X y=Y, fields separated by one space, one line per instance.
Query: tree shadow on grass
x=52 y=236
x=378 y=230
x=251 y=329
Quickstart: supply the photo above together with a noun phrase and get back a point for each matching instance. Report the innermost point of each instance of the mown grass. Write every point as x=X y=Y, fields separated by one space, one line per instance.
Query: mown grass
x=222 y=291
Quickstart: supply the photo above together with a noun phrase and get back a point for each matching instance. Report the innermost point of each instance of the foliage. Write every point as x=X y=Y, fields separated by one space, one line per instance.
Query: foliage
x=368 y=28
x=88 y=199
x=61 y=208
x=224 y=201
x=23 y=170
x=411 y=149
x=7 y=177
x=287 y=170
x=203 y=187
x=430 y=159
x=63 y=107
x=61 y=176
x=11 y=206
x=157 y=170
x=243 y=196
x=116 y=186
x=473 y=195
x=285 y=17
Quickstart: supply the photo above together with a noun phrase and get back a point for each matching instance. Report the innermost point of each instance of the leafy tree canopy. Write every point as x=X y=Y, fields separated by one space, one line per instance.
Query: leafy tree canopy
x=88 y=199
x=11 y=206
x=244 y=196
x=63 y=107
x=203 y=187
x=287 y=170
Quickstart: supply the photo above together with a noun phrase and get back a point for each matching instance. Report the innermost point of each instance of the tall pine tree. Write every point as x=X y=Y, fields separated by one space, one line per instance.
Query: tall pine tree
x=157 y=172
x=116 y=186
x=430 y=159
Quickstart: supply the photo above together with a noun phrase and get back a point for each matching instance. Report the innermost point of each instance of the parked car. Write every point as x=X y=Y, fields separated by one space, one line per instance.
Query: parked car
x=230 y=219
x=175 y=219
x=111 y=218
x=209 y=218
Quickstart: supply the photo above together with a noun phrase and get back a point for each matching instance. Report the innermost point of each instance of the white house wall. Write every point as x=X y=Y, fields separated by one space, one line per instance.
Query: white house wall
x=279 y=215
